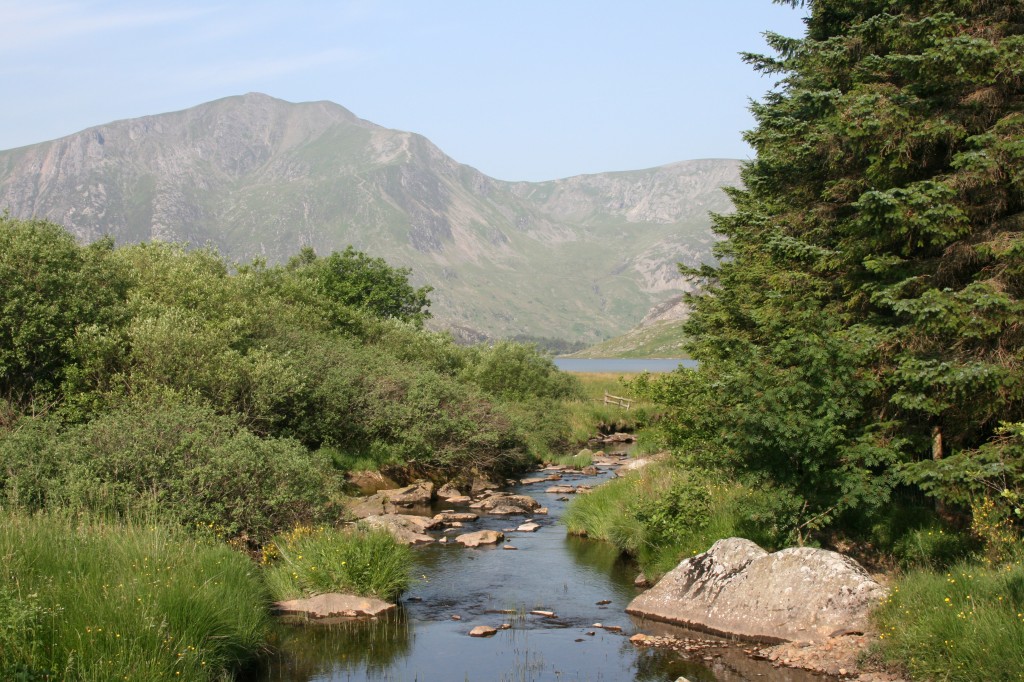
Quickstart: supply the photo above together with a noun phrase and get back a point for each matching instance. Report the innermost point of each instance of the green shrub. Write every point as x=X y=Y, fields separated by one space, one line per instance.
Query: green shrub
x=29 y=464
x=310 y=561
x=96 y=602
x=965 y=624
x=166 y=457
x=516 y=371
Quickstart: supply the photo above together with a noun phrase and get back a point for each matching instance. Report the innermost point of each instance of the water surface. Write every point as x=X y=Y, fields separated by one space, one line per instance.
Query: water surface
x=548 y=571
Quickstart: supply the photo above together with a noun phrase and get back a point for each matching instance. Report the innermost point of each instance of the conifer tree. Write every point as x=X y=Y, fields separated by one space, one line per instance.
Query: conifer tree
x=864 y=327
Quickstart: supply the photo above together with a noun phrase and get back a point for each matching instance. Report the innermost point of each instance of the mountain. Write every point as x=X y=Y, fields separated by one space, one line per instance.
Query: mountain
x=582 y=258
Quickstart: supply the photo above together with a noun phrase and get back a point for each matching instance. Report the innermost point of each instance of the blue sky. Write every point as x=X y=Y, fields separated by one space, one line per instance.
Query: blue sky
x=526 y=90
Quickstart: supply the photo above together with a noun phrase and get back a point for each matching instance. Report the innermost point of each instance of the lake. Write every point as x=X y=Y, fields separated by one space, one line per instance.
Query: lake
x=621 y=365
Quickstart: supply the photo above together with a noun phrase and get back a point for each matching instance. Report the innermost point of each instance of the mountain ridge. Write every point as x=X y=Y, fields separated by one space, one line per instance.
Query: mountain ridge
x=579 y=258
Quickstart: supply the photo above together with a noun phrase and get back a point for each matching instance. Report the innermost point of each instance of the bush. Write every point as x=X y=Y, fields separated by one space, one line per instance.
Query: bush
x=516 y=371
x=93 y=601
x=166 y=457
x=49 y=289
x=30 y=467
x=310 y=561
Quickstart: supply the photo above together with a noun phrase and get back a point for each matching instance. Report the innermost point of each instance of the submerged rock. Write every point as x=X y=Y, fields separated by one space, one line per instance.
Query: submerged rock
x=738 y=589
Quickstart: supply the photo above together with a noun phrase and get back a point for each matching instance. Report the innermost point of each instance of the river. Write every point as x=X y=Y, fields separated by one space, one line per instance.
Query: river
x=548 y=570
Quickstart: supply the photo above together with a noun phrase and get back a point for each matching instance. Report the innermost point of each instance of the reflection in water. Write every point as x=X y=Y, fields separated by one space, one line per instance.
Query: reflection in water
x=308 y=652
x=603 y=558
x=658 y=665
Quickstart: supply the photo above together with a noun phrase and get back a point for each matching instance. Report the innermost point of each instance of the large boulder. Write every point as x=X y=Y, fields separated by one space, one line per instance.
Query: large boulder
x=481 y=537
x=392 y=501
x=453 y=516
x=372 y=505
x=482 y=484
x=448 y=490
x=369 y=482
x=333 y=605
x=417 y=494
x=738 y=589
x=508 y=505
x=405 y=528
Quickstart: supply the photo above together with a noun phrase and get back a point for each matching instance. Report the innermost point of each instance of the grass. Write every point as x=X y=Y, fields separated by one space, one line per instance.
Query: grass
x=590 y=414
x=662 y=339
x=661 y=514
x=98 y=601
x=964 y=624
x=309 y=561
x=583 y=458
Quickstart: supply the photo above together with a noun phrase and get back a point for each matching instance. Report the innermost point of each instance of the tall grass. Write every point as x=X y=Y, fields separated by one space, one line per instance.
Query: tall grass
x=589 y=414
x=96 y=601
x=583 y=458
x=965 y=624
x=661 y=514
x=310 y=561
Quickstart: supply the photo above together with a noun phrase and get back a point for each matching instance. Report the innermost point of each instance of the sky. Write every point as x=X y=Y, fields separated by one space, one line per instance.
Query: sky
x=525 y=90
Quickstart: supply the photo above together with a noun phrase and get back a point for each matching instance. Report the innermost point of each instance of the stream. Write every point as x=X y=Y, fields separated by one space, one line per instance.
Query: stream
x=549 y=570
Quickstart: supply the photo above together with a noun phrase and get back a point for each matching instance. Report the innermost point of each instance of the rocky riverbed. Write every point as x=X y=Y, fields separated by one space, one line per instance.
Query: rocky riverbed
x=553 y=609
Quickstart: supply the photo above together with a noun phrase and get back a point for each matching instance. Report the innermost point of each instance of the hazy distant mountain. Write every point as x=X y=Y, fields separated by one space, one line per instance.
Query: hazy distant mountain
x=581 y=258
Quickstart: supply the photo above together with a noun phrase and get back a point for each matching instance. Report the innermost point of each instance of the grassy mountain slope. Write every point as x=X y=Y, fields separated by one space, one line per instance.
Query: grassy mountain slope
x=581 y=258
x=662 y=339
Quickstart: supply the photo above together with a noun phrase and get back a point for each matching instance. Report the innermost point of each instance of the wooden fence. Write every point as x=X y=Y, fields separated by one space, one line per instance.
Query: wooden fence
x=610 y=399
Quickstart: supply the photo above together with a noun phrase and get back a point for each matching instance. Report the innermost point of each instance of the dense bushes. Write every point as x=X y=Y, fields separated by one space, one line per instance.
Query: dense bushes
x=168 y=458
x=150 y=378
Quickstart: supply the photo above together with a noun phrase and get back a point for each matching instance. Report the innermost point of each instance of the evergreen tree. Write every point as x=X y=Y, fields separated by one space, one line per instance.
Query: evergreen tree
x=864 y=326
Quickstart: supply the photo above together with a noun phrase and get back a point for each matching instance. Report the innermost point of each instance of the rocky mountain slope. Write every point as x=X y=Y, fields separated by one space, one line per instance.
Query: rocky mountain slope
x=581 y=258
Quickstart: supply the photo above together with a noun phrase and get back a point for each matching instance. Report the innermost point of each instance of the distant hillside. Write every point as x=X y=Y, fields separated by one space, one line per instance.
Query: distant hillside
x=580 y=259
x=662 y=339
